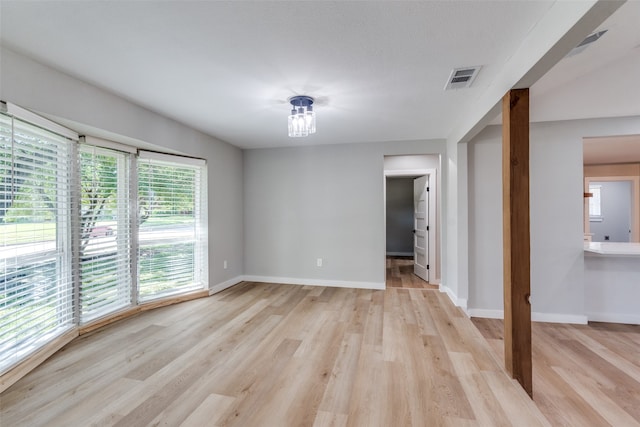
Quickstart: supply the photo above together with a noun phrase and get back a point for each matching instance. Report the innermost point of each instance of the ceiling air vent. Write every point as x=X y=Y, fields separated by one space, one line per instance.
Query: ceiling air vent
x=586 y=42
x=462 y=77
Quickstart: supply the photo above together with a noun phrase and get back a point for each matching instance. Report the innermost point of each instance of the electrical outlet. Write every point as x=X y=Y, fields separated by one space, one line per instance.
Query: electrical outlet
x=319 y=262
x=224 y=264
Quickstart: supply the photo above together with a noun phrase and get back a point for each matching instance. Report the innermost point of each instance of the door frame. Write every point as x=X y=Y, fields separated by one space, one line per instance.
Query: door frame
x=433 y=188
x=635 y=202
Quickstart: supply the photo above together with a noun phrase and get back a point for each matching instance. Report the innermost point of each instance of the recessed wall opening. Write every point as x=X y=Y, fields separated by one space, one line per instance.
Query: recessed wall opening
x=611 y=228
x=612 y=189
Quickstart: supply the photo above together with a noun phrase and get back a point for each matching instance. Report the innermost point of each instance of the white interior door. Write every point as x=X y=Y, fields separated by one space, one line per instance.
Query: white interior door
x=421 y=227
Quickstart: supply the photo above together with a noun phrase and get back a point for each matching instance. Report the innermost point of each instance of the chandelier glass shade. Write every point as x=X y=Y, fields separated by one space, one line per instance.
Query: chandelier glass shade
x=302 y=120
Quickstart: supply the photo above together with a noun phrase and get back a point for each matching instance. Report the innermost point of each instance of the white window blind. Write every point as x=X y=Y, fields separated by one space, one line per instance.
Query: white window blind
x=105 y=240
x=68 y=239
x=171 y=235
x=36 y=290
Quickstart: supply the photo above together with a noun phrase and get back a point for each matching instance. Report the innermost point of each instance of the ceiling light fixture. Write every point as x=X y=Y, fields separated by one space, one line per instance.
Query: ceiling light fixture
x=302 y=120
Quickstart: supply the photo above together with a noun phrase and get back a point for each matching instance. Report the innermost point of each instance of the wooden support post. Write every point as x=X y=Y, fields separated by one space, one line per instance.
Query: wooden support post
x=515 y=212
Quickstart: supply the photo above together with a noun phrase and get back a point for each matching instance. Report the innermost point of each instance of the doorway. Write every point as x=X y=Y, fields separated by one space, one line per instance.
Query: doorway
x=611 y=208
x=407 y=235
x=610 y=211
x=409 y=247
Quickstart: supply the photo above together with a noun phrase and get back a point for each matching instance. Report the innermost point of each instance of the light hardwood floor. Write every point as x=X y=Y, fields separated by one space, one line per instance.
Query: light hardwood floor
x=583 y=375
x=400 y=274
x=278 y=355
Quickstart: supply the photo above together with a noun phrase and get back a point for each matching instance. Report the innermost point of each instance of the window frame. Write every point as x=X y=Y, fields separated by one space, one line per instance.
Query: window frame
x=62 y=287
x=200 y=255
x=123 y=234
x=595 y=202
x=68 y=261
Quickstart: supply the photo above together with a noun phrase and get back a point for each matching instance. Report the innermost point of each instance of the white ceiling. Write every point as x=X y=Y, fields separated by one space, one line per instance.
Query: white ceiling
x=611 y=149
x=227 y=68
x=602 y=81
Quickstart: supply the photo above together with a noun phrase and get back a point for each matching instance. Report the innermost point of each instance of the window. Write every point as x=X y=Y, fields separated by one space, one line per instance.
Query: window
x=67 y=230
x=36 y=288
x=171 y=237
x=105 y=237
x=595 y=212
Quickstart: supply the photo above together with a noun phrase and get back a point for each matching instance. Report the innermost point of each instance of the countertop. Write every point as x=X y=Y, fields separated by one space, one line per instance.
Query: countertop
x=613 y=248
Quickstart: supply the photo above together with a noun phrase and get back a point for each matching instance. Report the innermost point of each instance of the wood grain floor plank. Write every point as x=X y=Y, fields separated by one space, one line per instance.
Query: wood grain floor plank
x=329 y=419
x=338 y=390
x=207 y=413
x=485 y=407
x=451 y=397
x=559 y=402
x=368 y=387
x=584 y=375
x=606 y=407
x=271 y=354
x=292 y=398
x=627 y=359
x=173 y=380
x=400 y=274
x=178 y=410
x=499 y=385
x=424 y=319
x=373 y=328
x=250 y=399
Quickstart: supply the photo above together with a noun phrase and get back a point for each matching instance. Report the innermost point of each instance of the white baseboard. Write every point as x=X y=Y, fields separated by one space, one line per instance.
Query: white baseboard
x=400 y=254
x=576 y=319
x=631 y=319
x=535 y=316
x=458 y=302
x=485 y=314
x=224 y=285
x=315 y=282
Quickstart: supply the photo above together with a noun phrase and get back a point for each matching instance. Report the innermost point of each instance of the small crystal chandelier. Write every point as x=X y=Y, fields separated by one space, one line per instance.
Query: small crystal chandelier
x=302 y=120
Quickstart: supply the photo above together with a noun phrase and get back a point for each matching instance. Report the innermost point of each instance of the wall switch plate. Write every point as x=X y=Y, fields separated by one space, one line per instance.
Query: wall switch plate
x=319 y=262
x=225 y=264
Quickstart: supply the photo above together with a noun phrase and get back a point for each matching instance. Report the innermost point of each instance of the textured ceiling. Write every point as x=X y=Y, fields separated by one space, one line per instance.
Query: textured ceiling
x=376 y=69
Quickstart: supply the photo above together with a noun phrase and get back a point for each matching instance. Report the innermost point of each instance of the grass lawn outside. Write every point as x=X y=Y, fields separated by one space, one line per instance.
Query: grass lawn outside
x=21 y=233
x=13 y=234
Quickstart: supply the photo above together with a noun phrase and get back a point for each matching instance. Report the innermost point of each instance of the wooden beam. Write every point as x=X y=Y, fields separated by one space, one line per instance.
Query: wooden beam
x=515 y=211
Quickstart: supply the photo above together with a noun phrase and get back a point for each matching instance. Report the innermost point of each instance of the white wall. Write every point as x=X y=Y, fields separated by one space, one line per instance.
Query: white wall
x=556 y=179
x=319 y=202
x=485 y=222
x=455 y=245
x=411 y=162
x=612 y=288
x=34 y=86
